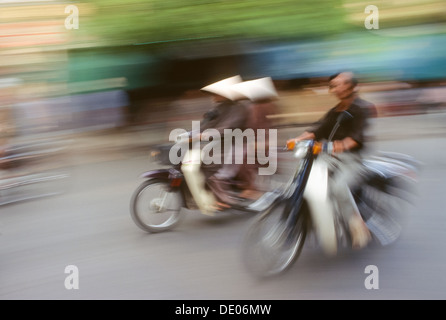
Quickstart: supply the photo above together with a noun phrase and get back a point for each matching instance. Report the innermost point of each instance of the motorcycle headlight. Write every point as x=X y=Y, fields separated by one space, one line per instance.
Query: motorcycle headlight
x=301 y=149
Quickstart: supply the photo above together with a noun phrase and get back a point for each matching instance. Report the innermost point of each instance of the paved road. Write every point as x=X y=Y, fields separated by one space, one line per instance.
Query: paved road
x=90 y=227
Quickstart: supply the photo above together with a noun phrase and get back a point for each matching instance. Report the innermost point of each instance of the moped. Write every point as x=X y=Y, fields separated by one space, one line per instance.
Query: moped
x=157 y=203
x=306 y=209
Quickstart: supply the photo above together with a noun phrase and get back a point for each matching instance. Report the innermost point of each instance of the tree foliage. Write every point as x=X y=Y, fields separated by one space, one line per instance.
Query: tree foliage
x=158 y=21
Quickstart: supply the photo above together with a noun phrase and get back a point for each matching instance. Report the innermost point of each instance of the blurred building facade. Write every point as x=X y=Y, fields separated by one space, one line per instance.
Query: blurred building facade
x=78 y=79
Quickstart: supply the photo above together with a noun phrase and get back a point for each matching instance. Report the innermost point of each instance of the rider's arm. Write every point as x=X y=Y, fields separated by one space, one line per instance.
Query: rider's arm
x=304 y=136
x=355 y=137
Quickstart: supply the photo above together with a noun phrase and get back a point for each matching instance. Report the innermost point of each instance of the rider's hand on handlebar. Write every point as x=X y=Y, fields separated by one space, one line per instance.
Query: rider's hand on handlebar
x=338 y=146
x=291 y=143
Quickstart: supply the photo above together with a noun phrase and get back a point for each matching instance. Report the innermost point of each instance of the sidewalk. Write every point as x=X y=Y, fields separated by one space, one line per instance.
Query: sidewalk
x=297 y=110
x=121 y=144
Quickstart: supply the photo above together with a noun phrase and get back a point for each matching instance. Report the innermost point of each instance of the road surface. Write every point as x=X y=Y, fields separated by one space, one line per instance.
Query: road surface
x=87 y=232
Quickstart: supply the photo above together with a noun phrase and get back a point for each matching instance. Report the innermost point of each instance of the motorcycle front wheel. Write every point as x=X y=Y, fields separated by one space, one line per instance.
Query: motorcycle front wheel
x=272 y=243
x=155 y=206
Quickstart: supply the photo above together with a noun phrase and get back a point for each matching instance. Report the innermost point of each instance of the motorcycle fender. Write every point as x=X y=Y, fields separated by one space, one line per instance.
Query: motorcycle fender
x=196 y=180
x=321 y=208
x=161 y=174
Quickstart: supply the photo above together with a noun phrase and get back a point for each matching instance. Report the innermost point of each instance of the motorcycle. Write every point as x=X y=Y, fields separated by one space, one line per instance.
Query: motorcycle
x=156 y=204
x=305 y=209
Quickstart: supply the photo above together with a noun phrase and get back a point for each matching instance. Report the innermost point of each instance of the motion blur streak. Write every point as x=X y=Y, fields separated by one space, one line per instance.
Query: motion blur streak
x=80 y=89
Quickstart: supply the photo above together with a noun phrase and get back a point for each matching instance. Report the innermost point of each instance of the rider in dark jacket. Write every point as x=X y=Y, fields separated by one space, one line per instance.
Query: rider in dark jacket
x=348 y=142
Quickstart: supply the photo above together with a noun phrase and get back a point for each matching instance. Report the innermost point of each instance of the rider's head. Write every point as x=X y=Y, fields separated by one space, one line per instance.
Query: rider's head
x=343 y=85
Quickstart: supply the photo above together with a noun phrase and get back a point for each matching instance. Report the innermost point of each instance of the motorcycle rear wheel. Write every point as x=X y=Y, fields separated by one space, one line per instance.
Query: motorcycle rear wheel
x=155 y=206
x=272 y=244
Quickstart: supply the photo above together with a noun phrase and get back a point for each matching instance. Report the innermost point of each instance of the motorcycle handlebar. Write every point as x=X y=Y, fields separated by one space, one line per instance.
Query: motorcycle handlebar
x=317 y=147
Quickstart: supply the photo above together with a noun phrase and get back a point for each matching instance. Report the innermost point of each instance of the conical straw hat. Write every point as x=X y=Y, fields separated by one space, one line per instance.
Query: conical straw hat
x=224 y=88
x=258 y=89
